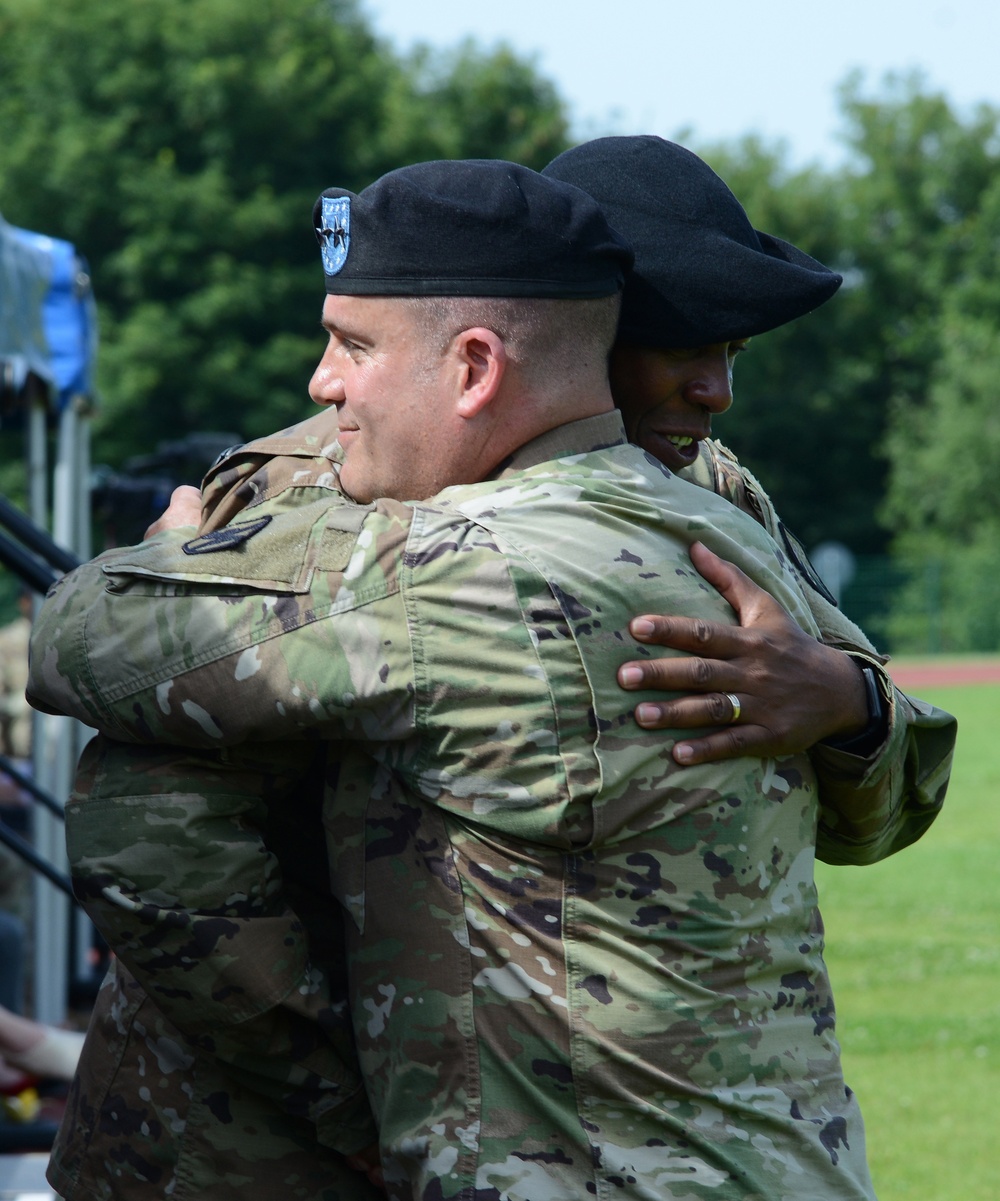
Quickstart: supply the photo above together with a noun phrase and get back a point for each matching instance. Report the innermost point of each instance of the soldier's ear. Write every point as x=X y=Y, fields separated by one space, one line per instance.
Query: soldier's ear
x=481 y=360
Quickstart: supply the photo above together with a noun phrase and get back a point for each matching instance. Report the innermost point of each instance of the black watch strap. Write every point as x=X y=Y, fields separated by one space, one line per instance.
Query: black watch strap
x=875 y=732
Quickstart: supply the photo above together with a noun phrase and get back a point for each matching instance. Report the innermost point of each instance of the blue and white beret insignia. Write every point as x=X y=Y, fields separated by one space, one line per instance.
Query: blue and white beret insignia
x=335 y=235
x=228 y=538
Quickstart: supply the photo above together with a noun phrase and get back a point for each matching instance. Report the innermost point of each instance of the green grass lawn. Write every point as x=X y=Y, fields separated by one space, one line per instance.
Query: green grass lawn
x=913 y=946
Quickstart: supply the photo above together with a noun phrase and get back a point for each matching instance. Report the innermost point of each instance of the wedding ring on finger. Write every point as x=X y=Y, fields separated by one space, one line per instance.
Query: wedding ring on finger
x=735 y=702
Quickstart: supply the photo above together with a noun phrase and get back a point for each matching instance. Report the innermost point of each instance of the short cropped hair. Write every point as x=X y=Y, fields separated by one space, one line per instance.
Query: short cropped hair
x=549 y=340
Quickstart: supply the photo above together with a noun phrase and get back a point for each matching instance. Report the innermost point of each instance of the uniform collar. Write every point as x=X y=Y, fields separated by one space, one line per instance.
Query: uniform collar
x=573 y=438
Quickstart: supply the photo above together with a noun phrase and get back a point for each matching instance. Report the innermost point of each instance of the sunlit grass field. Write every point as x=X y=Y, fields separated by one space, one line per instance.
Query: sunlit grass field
x=913 y=947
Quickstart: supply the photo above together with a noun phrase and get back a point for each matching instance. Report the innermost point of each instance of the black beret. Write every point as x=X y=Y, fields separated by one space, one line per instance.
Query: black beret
x=476 y=227
x=702 y=273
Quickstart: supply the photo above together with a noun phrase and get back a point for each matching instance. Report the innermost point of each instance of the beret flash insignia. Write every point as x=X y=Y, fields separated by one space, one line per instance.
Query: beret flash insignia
x=335 y=234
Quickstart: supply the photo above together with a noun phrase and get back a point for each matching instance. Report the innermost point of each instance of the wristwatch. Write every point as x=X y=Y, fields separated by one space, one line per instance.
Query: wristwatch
x=876 y=731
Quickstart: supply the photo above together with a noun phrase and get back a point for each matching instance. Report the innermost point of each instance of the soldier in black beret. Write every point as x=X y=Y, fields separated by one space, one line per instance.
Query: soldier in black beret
x=460 y=266
x=704 y=281
x=458 y=648
x=478 y=227
x=471 y=309
x=556 y=946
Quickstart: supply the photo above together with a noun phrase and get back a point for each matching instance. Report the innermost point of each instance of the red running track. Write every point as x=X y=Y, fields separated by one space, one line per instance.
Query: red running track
x=945 y=673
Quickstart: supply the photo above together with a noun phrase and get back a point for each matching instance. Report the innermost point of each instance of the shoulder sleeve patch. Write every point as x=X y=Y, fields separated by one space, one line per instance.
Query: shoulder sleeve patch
x=267 y=552
x=800 y=561
x=227 y=538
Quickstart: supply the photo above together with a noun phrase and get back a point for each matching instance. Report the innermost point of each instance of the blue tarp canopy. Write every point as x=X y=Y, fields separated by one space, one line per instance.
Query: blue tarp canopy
x=48 y=322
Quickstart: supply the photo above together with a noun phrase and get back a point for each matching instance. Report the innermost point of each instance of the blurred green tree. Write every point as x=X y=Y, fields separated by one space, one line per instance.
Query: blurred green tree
x=927 y=232
x=942 y=494
x=801 y=418
x=831 y=407
x=180 y=145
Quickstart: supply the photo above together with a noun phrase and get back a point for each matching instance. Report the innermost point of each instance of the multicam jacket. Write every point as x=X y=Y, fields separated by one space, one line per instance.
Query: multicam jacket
x=221 y=1067
x=574 y=968
x=871 y=807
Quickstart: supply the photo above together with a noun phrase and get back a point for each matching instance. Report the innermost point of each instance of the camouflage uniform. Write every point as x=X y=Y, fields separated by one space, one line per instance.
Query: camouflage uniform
x=257 y=1097
x=574 y=967
x=219 y=1064
x=870 y=807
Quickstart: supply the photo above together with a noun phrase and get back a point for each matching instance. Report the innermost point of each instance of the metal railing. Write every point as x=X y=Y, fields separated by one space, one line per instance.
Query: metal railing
x=62 y=930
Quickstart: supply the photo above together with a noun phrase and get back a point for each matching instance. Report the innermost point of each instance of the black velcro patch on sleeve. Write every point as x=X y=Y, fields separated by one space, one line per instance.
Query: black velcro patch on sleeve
x=227 y=538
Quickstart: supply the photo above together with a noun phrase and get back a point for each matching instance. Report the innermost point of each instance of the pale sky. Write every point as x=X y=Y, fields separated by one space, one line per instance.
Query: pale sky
x=724 y=68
